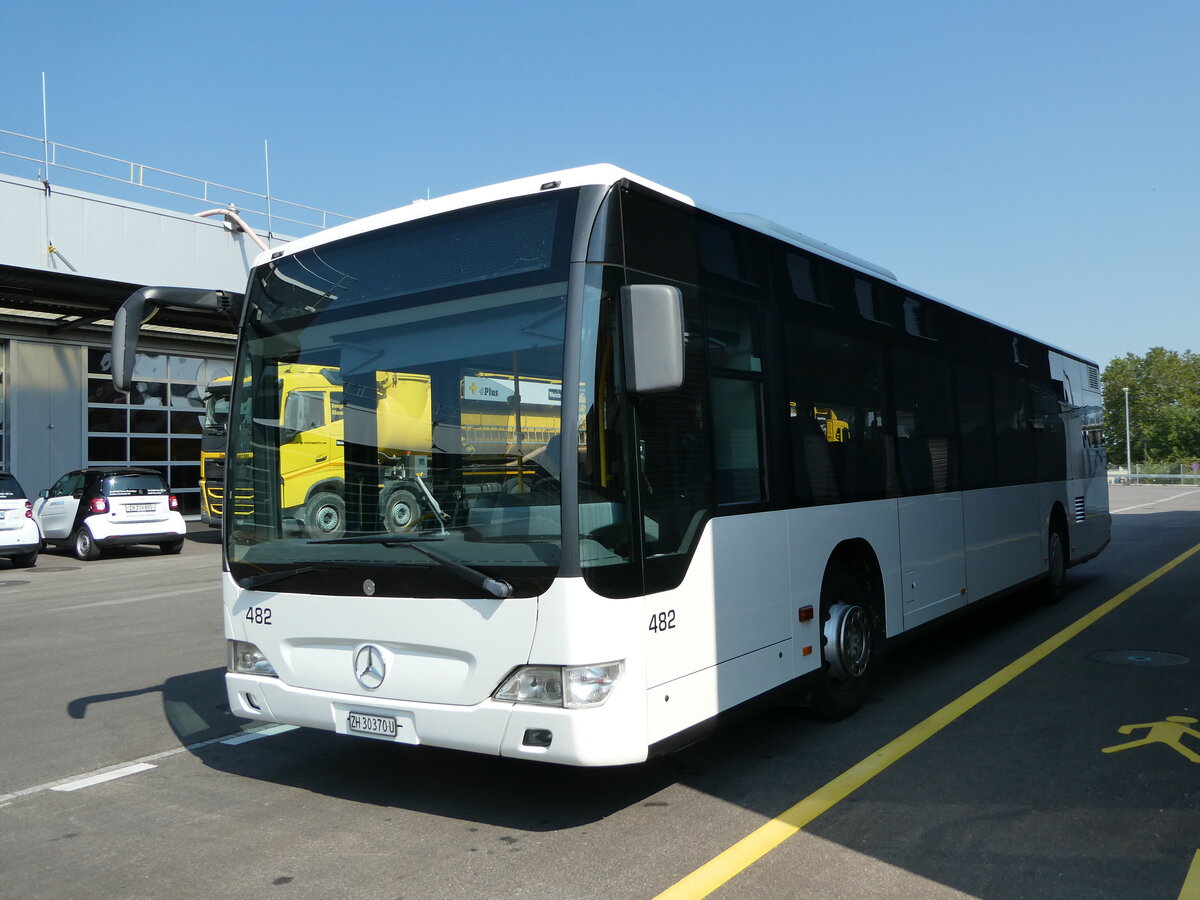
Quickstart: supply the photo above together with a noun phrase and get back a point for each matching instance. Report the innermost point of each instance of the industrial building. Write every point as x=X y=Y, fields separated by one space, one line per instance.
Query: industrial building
x=68 y=258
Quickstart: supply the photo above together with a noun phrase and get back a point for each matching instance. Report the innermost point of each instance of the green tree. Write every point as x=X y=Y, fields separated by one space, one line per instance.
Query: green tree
x=1164 y=406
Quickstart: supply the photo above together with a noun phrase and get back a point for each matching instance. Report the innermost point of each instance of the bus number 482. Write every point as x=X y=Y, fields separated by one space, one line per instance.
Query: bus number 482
x=663 y=620
x=259 y=615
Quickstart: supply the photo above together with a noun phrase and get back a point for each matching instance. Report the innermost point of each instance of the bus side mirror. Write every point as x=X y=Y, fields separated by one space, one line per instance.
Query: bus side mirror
x=652 y=320
x=132 y=315
x=126 y=324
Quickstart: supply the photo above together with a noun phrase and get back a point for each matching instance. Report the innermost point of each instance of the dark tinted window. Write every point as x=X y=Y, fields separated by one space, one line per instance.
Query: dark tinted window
x=9 y=488
x=1014 y=430
x=842 y=445
x=978 y=442
x=926 y=438
x=131 y=484
x=735 y=360
x=659 y=237
x=918 y=317
x=801 y=278
x=675 y=457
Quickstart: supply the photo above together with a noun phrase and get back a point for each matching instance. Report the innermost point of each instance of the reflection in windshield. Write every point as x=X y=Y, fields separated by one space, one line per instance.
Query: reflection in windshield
x=367 y=404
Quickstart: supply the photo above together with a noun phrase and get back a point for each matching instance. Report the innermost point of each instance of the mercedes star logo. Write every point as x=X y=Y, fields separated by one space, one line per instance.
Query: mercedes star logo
x=369 y=667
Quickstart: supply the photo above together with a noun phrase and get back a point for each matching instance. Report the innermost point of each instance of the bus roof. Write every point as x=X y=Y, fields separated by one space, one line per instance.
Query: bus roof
x=602 y=174
x=606 y=175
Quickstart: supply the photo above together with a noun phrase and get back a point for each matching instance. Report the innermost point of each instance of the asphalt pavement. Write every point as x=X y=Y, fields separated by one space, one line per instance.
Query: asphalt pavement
x=1018 y=751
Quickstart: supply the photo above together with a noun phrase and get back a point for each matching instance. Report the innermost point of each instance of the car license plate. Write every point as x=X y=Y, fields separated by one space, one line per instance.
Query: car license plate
x=369 y=723
x=139 y=507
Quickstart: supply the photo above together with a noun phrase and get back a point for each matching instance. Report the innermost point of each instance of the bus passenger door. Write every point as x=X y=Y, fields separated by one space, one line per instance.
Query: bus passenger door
x=932 y=545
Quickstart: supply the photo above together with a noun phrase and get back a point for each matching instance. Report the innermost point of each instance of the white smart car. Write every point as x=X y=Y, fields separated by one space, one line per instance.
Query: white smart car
x=20 y=538
x=90 y=509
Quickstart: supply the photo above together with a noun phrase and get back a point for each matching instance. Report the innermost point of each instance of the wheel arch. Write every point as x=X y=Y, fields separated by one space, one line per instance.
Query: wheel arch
x=1058 y=518
x=859 y=555
x=327 y=485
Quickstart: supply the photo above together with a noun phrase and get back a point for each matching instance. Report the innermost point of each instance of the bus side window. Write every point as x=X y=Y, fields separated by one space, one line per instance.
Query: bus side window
x=676 y=456
x=735 y=388
x=977 y=441
x=925 y=433
x=836 y=384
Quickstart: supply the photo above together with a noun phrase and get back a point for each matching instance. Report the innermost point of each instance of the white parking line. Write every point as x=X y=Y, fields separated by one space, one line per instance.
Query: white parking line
x=139 y=765
x=159 y=596
x=1156 y=502
x=248 y=736
x=112 y=775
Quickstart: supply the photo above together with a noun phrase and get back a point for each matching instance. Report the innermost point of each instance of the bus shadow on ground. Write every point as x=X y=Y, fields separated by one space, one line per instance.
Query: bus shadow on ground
x=469 y=787
x=194 y=705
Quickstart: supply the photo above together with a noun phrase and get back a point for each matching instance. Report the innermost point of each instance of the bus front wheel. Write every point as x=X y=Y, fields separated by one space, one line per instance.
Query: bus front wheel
x=847 y=640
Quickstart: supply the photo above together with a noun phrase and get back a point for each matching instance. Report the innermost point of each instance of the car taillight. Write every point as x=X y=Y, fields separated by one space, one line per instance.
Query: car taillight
x=99 y=505
x=28 y=510
x=174 y=501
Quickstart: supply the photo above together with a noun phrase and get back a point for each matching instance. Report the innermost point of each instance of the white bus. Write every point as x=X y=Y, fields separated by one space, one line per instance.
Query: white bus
x=766 y=460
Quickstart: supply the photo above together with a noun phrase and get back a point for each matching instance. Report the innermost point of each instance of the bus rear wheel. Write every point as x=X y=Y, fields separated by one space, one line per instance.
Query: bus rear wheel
x=1056 y=565
x=847 y=643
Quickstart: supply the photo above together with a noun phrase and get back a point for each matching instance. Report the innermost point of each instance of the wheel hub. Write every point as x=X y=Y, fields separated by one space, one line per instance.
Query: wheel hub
x=847 y=641
x=328 y=519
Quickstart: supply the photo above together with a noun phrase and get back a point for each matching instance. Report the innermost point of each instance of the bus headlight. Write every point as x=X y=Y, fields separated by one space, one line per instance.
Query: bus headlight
x=247 y=659
x=570 y=687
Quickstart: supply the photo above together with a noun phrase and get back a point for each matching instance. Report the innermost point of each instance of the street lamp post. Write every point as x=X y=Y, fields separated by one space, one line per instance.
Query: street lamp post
x=1128 y=458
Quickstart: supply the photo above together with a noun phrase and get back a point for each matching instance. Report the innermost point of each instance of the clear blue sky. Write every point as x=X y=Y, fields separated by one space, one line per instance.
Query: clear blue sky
x=1033 y=162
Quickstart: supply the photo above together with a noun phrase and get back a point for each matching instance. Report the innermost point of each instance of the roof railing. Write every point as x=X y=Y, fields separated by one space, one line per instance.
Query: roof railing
x=261 y=210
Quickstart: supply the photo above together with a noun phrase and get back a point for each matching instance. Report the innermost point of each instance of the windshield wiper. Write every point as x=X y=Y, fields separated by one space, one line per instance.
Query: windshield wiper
x=388 y=540
x=250 y=582
x=494 y=586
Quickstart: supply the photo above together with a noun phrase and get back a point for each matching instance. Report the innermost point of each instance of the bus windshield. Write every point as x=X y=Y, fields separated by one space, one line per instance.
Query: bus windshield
x=398 y=403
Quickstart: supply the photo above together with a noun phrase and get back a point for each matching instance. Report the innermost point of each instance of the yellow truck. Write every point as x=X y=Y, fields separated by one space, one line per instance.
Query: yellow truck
x=213 y=435
x=319 y=413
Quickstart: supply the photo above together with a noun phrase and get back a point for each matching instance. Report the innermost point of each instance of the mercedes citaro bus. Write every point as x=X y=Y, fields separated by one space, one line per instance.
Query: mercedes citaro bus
x=683 y=532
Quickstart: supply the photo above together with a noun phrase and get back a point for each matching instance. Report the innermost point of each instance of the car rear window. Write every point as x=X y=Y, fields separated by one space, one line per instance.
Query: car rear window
x=9 y=488
x=133 y=485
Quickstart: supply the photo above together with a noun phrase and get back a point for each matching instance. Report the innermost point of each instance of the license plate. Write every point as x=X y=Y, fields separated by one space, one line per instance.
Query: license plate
x=140 y=507
x=369 y=723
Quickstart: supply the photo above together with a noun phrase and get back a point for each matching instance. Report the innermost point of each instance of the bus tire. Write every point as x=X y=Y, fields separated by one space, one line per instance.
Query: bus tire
x=400 y=511
x=1055 y=587
x=847 y=643
x=325 y=516
x=82 y=544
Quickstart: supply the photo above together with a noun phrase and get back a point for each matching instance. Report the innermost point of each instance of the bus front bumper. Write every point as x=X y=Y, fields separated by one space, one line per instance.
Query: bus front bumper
x=602 y=736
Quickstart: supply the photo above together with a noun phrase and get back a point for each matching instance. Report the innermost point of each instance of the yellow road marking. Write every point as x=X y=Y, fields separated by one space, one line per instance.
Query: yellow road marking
x=1191 y=884
x=717 y=871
